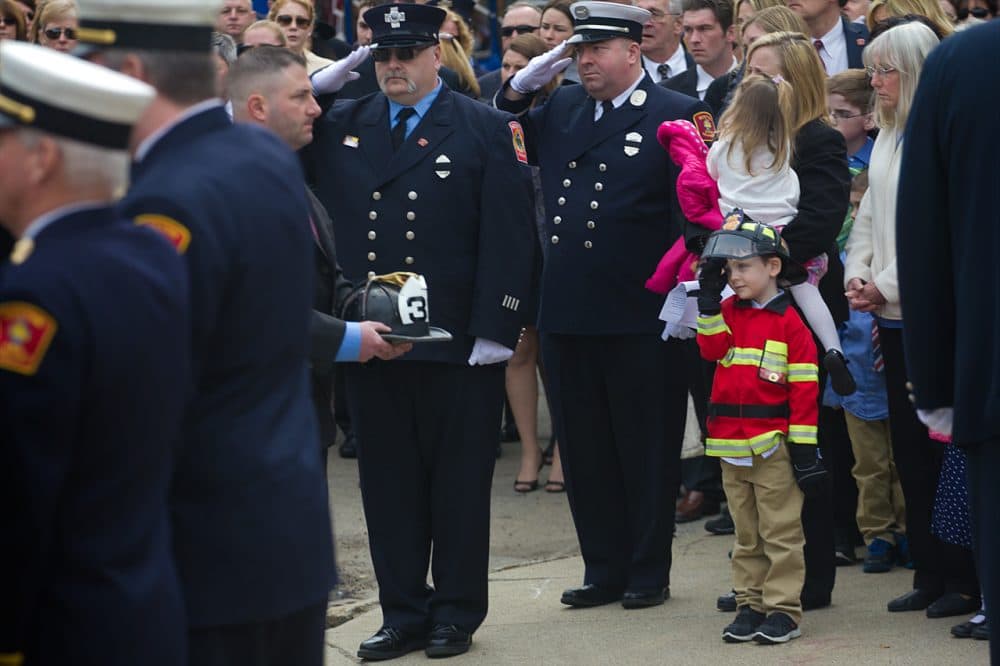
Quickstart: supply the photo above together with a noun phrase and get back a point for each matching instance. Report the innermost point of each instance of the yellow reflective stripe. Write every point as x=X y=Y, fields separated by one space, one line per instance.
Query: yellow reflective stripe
x=757 y=444
x=712 y=325
x=776 y=347
x=802 y=434
x=803 y=372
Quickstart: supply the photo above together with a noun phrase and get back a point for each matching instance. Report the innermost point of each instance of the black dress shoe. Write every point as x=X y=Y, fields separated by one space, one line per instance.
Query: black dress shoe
x=721 y=525
x=389 y=643
x=952 y=604
x=349 y=447
x=982 y=632
x=966 y=629
x=590 y=595
x=913 y=600
x=644 y=598
x=447 y=640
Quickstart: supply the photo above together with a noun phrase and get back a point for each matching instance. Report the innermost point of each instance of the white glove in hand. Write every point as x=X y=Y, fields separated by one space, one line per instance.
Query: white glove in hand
x=540 y=70
x=938 y=420
x=679 y=331
x=333 y=77
x=487 y=352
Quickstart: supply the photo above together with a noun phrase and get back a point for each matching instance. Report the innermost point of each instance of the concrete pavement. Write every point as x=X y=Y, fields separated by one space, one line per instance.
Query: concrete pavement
x=527 y=623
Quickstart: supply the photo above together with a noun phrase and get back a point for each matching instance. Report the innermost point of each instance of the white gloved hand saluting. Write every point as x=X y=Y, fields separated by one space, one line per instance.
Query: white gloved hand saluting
x=333 y=77
x=487 y=352
x=540 y=70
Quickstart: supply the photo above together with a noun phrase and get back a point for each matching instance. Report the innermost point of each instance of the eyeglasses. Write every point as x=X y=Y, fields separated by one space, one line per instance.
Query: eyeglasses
x=56 y=33
x=508 y=31
x=660 y=16
x=975 y=12
x=403 y=53
x=840 y=114
x=880 y=70
x=284 y=20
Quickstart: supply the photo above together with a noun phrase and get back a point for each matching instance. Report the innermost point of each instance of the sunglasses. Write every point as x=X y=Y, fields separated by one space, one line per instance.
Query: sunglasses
x=976 y=12
x=519 y=29
x=56 y=33
x=403 y=53
x=284 y=20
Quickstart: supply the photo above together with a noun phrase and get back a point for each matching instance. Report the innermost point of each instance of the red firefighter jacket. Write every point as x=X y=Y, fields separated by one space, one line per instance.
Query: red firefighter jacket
x=766 y=385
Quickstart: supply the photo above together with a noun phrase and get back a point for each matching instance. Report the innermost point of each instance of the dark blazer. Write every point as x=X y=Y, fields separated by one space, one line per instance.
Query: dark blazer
x=94 y=377
x=856 y=36
x=719 y=93
x=687 y=81
x=453 y=204
x=610 y=201
x=947 y=238
x=249 y=499
x=326 y=330
x=489 y=84
x=368 y=83
x=820 y=161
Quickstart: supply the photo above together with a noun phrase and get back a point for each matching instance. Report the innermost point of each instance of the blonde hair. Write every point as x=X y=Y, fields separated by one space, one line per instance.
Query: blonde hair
x=904 y=48
x=51 y=10
x=271 y=26
x=776 y=19
x=756 y=6
x=310 y=10
x=927 y=8
x=758 y=118
x=464 y=36
x=802 y=68
x=454 y=58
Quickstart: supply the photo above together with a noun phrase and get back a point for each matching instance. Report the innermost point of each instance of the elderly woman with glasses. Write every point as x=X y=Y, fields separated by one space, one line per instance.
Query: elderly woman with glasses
x=56 y=25
x=297 y=18
x=12 y=24
x=944 y=581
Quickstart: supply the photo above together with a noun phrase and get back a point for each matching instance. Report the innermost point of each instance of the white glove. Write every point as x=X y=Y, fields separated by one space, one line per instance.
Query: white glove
x=540 y=70
x=333 y=77
x=938 y=420
x=487 y=352
x=679 y=331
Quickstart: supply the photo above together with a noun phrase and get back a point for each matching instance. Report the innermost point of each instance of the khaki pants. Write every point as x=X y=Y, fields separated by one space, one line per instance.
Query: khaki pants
x=766 y=504
x=881 y=511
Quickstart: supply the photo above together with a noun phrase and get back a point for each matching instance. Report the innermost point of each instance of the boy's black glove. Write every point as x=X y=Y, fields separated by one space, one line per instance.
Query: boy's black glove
x=711 y=281
x=808 y=469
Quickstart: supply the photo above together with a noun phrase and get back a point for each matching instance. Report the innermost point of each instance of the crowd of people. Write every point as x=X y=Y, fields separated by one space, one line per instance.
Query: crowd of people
x=412 y=243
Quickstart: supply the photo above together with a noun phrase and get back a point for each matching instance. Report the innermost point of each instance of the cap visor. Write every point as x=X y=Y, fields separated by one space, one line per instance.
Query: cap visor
x=436 y=335
x=583 y=38
x=403 y=40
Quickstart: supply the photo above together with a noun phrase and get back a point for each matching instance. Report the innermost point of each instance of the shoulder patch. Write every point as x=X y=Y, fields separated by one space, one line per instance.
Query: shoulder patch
x=25 y=333
x=706 y=126
x=517 y=134
x=175 y=232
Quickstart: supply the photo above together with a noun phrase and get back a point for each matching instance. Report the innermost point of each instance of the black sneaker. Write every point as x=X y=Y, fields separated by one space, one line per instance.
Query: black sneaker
x=721 y=525
x=727 y=602
x=777 y=628
x=840 y=377
x=744 y=627
x=880 y=557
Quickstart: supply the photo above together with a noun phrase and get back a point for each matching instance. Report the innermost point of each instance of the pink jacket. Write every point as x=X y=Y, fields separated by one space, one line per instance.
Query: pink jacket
x=697 y=194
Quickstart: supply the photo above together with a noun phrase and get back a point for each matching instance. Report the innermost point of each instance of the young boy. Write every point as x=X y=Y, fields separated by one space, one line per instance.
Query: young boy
x=848 y=96
x=762 y=421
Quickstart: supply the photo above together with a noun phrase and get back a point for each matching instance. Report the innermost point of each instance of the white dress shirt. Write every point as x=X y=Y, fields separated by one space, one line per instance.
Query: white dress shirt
x=676 y=64
x=617 y=101
x=834 y=51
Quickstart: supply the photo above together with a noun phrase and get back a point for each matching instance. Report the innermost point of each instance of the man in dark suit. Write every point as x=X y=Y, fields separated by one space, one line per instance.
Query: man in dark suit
x=617 y=398
x=95 y=370
x=251 y=524
x=418 y=178
x=838 y=41
x=520 y=18
x=270 y=87
x=709 y=35
x=947 y=249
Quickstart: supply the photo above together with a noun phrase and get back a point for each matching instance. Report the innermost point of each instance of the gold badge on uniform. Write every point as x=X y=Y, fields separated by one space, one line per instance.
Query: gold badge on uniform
x=22 y=250
x=26 y=331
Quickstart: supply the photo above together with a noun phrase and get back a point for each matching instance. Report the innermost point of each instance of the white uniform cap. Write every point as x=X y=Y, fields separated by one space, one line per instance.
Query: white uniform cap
x=598 y=21
x=53 y=92
x=158 y=25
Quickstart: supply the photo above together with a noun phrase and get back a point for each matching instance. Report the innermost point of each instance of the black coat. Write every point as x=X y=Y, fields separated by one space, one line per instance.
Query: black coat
x=489 y=84
x=947 y=237
x=856 y=36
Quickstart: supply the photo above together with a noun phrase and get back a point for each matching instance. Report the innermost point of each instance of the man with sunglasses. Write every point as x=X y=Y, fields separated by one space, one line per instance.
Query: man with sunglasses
x=422 y=179
x=248 y=501
x=521 y=18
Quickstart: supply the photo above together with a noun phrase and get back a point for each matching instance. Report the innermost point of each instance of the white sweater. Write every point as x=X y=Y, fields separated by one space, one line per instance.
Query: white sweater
x=770 y=196
x=871 y=247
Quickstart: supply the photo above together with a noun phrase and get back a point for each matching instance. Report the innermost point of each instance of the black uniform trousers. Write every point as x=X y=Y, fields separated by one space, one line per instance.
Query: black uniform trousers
x=984 y=498
x=618 y=404
x=296 y=639
x=701 y=473
x=818 y=520
x=429 y=432
x=939 y=567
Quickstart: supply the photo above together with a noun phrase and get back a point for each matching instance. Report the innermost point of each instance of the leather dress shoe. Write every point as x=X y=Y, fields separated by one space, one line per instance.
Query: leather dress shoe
x=952 y=604
x=695 y=506
x=389 y=643
x=982 y=632
x=349 y=447
x=644 y=598
x=590 y=595
x=913 y=600
x=447 y=640
x=721 y=525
